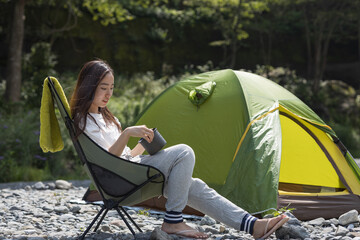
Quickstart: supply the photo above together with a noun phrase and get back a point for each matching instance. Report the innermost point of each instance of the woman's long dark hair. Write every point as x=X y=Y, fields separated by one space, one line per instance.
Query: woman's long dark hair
x=89 y=78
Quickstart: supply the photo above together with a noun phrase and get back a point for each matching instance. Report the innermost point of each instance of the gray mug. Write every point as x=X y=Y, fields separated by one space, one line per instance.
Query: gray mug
x=156 y=145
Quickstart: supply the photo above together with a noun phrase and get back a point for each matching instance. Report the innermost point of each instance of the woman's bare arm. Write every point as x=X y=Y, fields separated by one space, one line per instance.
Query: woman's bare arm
x=137 y=150
x=136 y=131
x=118 y=147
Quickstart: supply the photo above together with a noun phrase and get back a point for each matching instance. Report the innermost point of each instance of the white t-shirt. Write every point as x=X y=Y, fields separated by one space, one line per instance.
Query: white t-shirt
x=105 y=136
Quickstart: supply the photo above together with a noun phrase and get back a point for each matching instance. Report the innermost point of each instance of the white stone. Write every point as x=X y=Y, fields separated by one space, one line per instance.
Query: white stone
x=349 y=217
x=39 y=186
x=75 y=209
x=13 y=224
x=317 y=221
x=66 y=217
x=334 y=221
x=206 y=220
x=341 y=231
x=62 y=184
x=61 y=209
x=30 y=231
x=41 y=214
x=328 y=230
x=131 y=212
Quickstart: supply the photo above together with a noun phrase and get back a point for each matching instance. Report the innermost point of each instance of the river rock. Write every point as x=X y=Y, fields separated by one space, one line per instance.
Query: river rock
x=61 y=209
x=62 y=184
x=349 y=217
x=206 y=220
x=75 y=209
x=341 y=231
x=39 y=186
x=51 y=185
x=158 y=234
x=292 y=229
x=317 y=221
x=334 y=221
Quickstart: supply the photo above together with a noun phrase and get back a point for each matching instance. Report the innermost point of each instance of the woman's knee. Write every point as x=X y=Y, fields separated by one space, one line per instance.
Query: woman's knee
x=187 y=148
x=188 y=151
x=183 y=153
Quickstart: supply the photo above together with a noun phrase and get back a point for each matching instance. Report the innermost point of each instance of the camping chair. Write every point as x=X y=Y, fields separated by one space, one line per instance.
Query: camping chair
x=120 y=182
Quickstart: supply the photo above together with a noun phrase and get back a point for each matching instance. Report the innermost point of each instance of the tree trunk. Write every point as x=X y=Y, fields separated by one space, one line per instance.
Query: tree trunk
x=323 y=34
x=233 y=52
x=326 y=46
x=13 y=74
x=268 y=55
x=359 y=38
x=234 y=38
x=308 y=45
x=318 y=38
x=266 y=47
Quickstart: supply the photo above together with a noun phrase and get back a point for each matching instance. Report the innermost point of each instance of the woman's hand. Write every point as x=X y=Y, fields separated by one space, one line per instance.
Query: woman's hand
x=141 y=132
x=135 y=131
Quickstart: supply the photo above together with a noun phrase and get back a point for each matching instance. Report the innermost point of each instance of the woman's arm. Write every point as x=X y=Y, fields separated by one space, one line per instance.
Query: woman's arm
x=136 y=131
x=137 y=150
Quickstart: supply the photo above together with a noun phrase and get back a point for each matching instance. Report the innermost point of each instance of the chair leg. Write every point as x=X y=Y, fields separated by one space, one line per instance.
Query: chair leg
x=126 y=222
x=92 y=223
x=129 y=217
x=101 y=219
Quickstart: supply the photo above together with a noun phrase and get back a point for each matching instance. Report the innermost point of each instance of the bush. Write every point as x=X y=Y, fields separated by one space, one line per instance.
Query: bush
x=37 y=64
x=349 y=135
x=19 y=147
x=287 y=78
x=132 y=95
x=21 y=158
x=66 y=164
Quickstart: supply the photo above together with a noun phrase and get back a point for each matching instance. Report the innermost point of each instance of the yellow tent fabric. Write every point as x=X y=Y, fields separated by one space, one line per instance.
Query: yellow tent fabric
x=302 y=169
x=50 y=135
x=302 y=160
x=339 y=159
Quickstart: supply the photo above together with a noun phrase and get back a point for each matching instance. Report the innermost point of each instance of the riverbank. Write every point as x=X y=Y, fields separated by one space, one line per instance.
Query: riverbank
x=40 y=211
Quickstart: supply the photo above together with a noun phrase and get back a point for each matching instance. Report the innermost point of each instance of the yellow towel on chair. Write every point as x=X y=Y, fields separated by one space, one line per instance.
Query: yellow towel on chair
x=50 y=135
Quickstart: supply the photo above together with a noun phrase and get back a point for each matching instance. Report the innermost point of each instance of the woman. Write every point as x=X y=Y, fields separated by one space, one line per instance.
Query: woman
x=93 y=90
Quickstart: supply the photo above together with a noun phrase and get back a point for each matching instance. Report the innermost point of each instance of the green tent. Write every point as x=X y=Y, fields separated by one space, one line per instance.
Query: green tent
x=256 y=143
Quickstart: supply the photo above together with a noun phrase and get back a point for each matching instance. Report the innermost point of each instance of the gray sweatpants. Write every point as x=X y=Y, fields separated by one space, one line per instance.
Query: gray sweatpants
x=177 y=164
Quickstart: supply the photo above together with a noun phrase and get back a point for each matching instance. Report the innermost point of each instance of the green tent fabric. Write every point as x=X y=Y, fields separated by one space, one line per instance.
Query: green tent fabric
x=236 y=133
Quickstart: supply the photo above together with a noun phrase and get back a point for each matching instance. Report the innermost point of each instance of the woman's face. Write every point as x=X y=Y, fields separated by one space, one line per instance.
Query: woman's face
x=103 y=93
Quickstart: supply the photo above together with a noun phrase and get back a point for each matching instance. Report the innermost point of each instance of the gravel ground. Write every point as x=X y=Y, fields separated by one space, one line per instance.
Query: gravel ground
x=19 y=185
x=30 y=214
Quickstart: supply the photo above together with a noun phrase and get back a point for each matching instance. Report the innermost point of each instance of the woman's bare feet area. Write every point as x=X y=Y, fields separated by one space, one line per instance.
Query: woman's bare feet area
x=265 y=227
x=183 y=229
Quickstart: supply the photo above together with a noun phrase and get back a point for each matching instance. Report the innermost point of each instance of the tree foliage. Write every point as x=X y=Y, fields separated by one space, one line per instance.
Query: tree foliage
x=107 y=11
x=152 y=42
x=321 y=19
x=230 y=17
